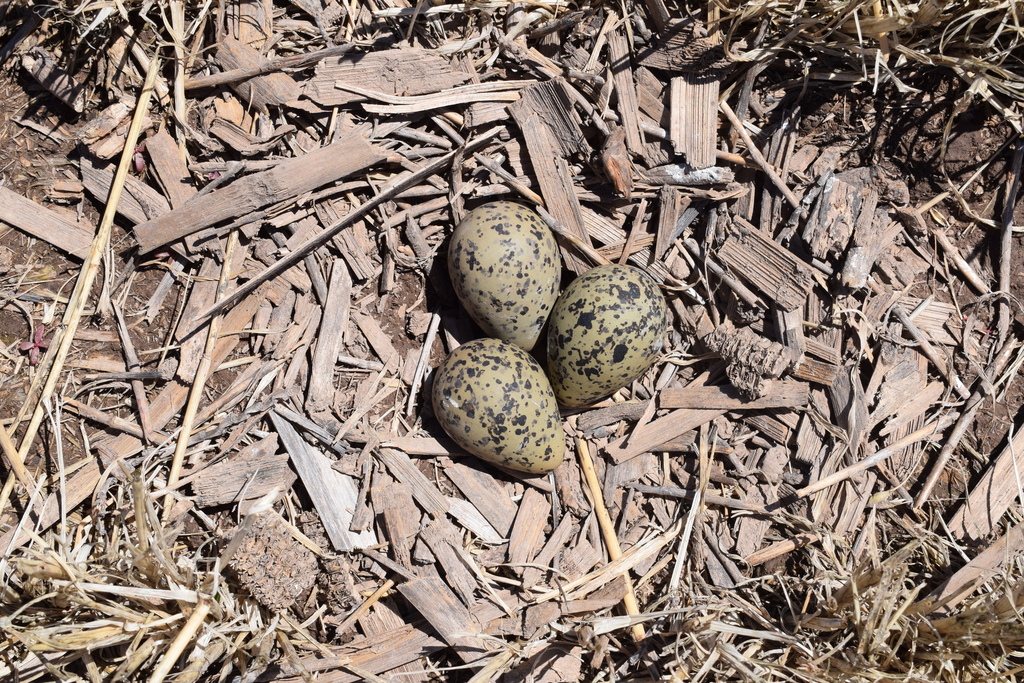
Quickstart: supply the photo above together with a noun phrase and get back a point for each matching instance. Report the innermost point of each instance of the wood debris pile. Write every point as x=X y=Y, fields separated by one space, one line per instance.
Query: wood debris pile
x=225 y=464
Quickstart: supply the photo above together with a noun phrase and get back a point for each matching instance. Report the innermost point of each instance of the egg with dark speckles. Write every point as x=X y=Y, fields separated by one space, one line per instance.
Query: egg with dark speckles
x=606 y=329
x=495 y=401
x=505 y=268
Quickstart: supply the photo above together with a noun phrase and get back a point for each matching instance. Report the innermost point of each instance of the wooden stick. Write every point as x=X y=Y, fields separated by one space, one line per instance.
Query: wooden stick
x=604 y=520
x=112 y=421
x=964 y=421
x=203 y=373
x=387 y=192
x=87 y=275
x=755 y=153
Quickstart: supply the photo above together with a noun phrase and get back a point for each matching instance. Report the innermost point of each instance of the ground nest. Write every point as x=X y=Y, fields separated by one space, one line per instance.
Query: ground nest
x=224 y=290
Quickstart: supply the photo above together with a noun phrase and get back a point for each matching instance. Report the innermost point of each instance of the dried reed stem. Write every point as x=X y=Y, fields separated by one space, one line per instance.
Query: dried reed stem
x=604 y=520
x=195 y=621
x=87 y=275
x=203 y=373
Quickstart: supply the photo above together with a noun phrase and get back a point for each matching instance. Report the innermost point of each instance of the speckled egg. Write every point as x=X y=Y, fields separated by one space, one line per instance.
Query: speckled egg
x=605 y=331
x=506 y=271
x=494 y=400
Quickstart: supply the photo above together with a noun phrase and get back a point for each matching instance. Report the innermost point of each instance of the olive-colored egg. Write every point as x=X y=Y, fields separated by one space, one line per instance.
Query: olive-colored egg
x=504 y=265
x=495 y=401
x=605 y=331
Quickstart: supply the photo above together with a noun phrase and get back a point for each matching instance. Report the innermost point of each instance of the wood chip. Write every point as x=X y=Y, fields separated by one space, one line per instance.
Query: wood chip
x=285 y=181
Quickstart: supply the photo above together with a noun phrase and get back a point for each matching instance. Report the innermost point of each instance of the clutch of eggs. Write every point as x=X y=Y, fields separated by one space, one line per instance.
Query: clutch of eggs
x=604 y=331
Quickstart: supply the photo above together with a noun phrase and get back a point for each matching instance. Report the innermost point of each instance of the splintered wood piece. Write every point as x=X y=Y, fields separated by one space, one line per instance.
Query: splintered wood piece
x=671 y=205
x=355 y=254
x=602 y=229
x=379 y=341
x=554 y=180
x=693 y=127
x=552 y=663
x=616 y=163
x=551 y=102
x=768 y=266
x=469 y=518
x=374 y=654
x=925 y=347
x=936 y=319
x=169 y=168
x=816 y=371
x=658 y=432
x=524 y=541
x=272 y=89
x=783 y=394
x=245 y=477
x=751 y=530
x=840 y=207
x=284 y=181
x=500 y=91
x=139 y=202
x=681 y=46
x=42 y=66
x=625 y=89
x=486 y=494
x=320 y=394
x=555 y=544
x=869 y=241
x=790 y=327
x=406 y=71
x=333 y=494
x=450 y=618
x=809 y=440
x=993 y=495
x=445 y=542
x=393 y=501
x=45 y=224
x=423 y=490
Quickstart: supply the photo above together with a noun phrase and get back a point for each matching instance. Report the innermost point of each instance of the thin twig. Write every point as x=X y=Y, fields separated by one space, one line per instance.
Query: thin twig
x=759 y=159
x=966 y=418
x=138 y=388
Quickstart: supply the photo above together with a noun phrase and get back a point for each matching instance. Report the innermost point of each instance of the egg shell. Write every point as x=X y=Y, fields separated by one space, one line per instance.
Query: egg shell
x=495 y=401
x=506 y=271
x=605 y=330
